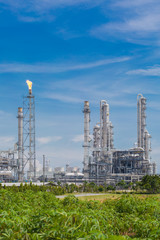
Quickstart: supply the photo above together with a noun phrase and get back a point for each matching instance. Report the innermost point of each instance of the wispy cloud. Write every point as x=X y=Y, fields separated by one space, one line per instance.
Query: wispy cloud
x=130 y=4
x=41 y=5
x=62 y=97
x=136 y=23
x=154 y=105
x=46 y=140
x=53 y=68
x=31 y=19
x=4 y=115
x=78 y=138
x=122 y=103
x=57 y=157
x=152 y=71
x=7 y=142
x=42 y=9
x=139 y=25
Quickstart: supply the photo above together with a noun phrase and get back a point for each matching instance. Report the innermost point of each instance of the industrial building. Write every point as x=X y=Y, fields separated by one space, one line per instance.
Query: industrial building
x=68 y=175
x=19 y=164
x=15 y=163
x=103 y=163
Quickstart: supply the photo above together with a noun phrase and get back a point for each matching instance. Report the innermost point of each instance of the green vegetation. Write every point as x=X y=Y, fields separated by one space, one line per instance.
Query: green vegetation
x=31 y=212
x=40 y=215
x=148 y=184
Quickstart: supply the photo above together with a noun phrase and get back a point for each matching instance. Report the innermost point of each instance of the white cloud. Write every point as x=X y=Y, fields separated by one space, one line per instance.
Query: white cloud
x=140 y=25
x=53 y=68
x=4 y=114
x=42 y=9
x=7 y=142
x=62 y=155
x=38 y=165
x=152 y=71
x=41 y=5
x=78 y=138
x=132 y=29
x=62 y=98
x=134 y=21
x=36 y=19
x=132 y=4
x=126 y=103
x=46 y=140
x=154 y=105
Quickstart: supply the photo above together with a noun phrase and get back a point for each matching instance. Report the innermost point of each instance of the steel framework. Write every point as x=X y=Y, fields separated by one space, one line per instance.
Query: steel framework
x=29 y=153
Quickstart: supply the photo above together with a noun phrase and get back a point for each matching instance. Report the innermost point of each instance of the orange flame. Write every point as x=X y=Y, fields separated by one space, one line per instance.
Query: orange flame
x=29 y=83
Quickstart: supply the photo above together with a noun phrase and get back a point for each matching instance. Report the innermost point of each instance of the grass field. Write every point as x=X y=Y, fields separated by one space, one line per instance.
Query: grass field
x=111 y=196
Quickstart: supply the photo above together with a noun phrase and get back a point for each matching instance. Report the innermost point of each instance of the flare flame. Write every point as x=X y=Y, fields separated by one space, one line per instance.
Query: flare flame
x=29 y=83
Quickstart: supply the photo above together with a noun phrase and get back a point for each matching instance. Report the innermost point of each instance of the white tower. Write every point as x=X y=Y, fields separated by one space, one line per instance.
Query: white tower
x=86 y=144
x=20 y=145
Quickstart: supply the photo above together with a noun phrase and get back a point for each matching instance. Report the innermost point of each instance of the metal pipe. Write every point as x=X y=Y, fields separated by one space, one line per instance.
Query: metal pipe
x=44 y=166
x=96 y=136
x=101 y=122
x=86 y=144
x=20 y=145
x=141 y=120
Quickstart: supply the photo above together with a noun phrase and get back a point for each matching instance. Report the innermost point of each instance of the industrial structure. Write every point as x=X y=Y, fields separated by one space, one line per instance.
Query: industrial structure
x=105 y=164
x=26 y=137
x=15 y=163
x=29 y=153
x=68 y=175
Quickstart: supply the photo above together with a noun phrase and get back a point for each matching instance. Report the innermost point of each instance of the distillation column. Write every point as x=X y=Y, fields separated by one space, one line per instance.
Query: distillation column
x=106 y=134
x=141 y=120
x=20 y=145
x=86 y=144
x=143 y=137
x=96 y=141
x=111 y=136
x=147 y=144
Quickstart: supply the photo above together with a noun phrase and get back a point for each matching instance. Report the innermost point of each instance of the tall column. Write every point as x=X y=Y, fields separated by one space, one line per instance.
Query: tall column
x=147 y=147
x=86 y=145
x=141 y=120
x=20 y=145
x=29 y=153
x=104 y=126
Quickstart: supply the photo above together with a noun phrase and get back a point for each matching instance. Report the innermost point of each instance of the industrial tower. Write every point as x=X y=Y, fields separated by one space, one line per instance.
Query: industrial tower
x=143 y=137
x=29 y=154
x=105 y=164
x=86 y=144
x=20 y=161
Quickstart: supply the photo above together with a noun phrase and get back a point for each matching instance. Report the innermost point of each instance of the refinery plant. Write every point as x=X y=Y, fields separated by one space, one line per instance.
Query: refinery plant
x=103 y=163
x=13 y=163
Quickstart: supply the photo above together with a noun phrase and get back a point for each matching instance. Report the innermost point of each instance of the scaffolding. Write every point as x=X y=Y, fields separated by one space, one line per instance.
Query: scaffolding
x=29 y=153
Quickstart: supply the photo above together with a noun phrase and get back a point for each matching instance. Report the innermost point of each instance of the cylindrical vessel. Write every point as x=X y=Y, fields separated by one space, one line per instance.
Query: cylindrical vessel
x=86 y=112
x=141 y=120
x=20 y=144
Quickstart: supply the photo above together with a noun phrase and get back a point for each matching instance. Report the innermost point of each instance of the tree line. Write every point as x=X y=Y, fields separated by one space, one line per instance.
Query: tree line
x=148 y=184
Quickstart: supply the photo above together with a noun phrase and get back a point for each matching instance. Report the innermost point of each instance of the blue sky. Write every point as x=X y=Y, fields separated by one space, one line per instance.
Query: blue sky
x=76 y=50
